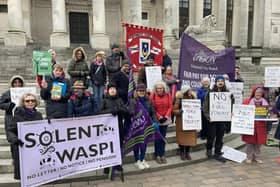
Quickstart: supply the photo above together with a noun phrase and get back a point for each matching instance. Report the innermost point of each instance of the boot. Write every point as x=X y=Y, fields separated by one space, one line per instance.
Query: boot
x=182 y=155
x=209 y=153
x=188 y=156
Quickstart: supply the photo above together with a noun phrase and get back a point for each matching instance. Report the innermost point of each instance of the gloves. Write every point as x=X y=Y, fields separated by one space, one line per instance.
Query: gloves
x=115 y=111
x=19 y=142
x=12 y=105
x=156 y=127
x=162 y=120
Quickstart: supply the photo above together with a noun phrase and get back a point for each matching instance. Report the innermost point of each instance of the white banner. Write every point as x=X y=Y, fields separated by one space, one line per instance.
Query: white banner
x=220 y=106
x=17 y=93
x=66 y=147
x=236 y=88
x=153 y=75
x=271 y=77
x=242 y=121
x=191 y=114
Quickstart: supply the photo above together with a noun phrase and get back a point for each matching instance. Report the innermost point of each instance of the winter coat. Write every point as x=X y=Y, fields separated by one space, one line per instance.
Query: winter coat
x=260 y=134
x=81 y=107
x=56 y=109
x=166 y=61
x=113 y=64
x=97 y=74
x=201 y=93
x=6 y=103
x=113 y=104
x=78 y=70
x=149 y=105
x=121 y=81
x=163 y=106
x=186 y=138
x=172 y=84
x=12 y=134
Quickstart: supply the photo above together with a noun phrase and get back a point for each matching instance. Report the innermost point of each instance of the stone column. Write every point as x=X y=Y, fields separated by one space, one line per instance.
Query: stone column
x=240 y=23
x=258 y=24
x=26 y=8
x=267 y=23
x=132 y=11
x=16 y=35
x=195 y=12
x=98 y=38
x=168 y=23
x=222 y=15
x=59 y=38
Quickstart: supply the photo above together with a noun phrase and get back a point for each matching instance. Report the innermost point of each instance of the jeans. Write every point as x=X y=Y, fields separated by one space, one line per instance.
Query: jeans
x=98 y=96
x=160 y=144
x=142 y=154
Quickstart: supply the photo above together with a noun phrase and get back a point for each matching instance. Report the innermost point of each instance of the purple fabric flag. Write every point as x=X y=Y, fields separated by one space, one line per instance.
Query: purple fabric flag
x=197 y=61
x=141 y=129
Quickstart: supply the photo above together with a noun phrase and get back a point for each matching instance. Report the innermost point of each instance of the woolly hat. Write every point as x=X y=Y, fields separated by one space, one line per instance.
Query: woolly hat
x=110 y=85
x=185 y=88
x=124 y=62
x=115 y=46
x=99 y=53
x=219 y=77
x=141 y=86
x=78 y=85
x=151 y=57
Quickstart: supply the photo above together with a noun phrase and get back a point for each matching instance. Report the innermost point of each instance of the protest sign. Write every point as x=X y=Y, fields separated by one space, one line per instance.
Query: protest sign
x=17 y=93
x=191 y=114
x=42 y=63
x=65 y=147
x=220 y=106
x=233 y=154
x=153 y=75
x=271 y=77
x=236 y=88
x=242 y=121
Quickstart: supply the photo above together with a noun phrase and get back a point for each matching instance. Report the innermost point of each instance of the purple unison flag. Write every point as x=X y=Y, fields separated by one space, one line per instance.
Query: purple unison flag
x=197 y=61
x=141 y=130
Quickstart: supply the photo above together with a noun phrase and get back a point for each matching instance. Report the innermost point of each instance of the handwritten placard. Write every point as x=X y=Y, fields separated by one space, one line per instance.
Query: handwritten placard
x=236 y=88
x=153 y=75
x=271 y=77
x=17 y=93
x=191 y=114
x=242 y=121
x=220 y=106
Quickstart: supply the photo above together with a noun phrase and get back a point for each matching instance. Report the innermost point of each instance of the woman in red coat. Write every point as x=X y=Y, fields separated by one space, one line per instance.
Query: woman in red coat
x=254 y=142
x=162 y=101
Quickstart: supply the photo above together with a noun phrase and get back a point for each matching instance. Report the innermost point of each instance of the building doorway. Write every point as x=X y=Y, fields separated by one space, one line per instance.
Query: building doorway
x=79 y=27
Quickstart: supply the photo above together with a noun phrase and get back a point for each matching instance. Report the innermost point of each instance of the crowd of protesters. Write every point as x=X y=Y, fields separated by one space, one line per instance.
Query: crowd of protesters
x=109 y=79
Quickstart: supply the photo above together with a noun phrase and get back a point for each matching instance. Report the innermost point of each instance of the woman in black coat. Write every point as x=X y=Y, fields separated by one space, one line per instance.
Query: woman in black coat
x=25 y=112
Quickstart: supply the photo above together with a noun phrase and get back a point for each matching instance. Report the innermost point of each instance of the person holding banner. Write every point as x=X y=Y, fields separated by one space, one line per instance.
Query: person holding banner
x=78 y=68
x=81 y=102
x=56 y=92
x=162 y=100
x=215 y=129
x=185 y=139
x=25 y=112
x=6 y=102
x=141 y=95
x=254 y=142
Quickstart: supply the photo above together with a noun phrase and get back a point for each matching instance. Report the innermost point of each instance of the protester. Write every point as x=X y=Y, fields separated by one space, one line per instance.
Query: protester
x=114 y=61
x=113 y=104
x=201 y=93
x=6 y=102
x=254 y=142
x=162 y=101
x=56 y=92
x=81 y=102
x=215 y=130
x=141 y=95
x=276 y=112
x=98 y=77
x=142 y=72
x=228 y=86
x=121 y=80
x=77 y=67
x=185 y=139
x=238 y=77
x=25 y=112
x=166 y=60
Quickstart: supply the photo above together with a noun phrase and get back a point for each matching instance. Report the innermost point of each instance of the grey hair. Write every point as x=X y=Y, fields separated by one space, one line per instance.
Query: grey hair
x=162 y=83
x=205 y=79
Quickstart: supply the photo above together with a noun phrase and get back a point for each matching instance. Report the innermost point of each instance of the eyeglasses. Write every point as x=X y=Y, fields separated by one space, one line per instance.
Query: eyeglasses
x=30 y=100
x=141 y=90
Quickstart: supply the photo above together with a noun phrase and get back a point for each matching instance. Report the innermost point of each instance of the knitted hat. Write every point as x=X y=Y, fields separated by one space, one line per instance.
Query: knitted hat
x=78 y=85
x=185 y=88
x=219 y=77
x=141 y=86
x=99 y=53
x=115 y=46
x=151 y=57
x=110 y=85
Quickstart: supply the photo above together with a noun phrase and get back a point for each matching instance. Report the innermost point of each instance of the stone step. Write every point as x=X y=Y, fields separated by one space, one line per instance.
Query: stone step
x=129 y=169
x=171 y=150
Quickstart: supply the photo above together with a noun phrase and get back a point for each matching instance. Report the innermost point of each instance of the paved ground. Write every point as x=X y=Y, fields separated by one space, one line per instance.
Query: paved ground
x=209 y=173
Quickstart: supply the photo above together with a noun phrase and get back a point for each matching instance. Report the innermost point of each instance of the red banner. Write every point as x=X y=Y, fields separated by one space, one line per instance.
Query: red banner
x=141 y=42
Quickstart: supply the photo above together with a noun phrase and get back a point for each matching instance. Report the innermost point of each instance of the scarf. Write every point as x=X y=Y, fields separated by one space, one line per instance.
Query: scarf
x=258 y=102
x=98 y=63
x=30 y=113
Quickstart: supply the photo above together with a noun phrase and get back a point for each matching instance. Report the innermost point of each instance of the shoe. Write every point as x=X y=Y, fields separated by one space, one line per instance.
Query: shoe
x=203 y=138
x=158 y=160
x=163 y=160
x=209 y=153
x=248 y=161
x=259 y=161
x=182 y=156
x=139 y=165
x=119 y=168
x=145 y=164
x=220 y=158
x=188 y=156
